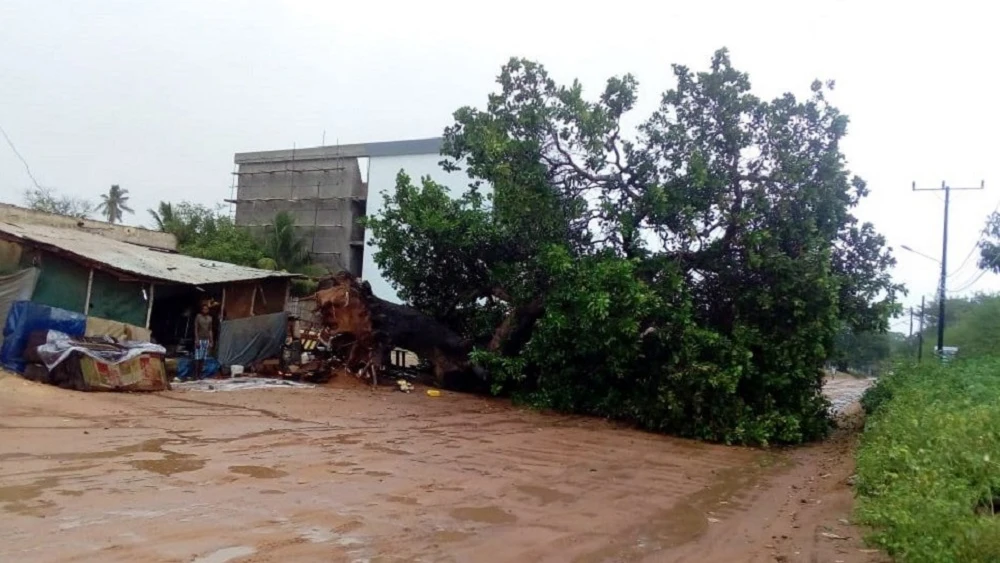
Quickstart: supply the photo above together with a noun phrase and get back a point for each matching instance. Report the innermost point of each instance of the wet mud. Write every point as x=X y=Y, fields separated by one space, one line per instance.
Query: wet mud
x=346 y=473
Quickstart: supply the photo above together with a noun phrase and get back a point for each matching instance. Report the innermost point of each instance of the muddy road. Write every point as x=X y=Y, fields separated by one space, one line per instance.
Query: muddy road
x=348 y=474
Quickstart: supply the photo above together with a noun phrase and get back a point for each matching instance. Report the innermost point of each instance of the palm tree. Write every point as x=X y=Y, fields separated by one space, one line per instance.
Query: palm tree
x=114 y=203
x=283 y=245
x=164 y=216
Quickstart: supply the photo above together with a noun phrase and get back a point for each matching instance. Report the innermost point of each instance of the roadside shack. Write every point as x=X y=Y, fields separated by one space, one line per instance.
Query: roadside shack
x=136 y=292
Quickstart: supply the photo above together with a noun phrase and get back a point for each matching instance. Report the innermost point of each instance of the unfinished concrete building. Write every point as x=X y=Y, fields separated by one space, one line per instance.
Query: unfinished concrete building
x=329 y=189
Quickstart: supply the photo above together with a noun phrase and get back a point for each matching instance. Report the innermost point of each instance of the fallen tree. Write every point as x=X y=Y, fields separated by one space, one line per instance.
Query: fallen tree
x=689 y=277
x=368 y=328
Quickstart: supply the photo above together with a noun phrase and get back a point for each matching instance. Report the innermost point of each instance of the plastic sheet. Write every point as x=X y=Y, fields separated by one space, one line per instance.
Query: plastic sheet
x=26 y=317
x=59 y=346
x=16 y=287
x=240 y=384
x=245 y=341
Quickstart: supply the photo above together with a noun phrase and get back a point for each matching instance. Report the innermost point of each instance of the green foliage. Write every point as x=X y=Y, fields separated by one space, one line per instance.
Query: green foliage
x=284 y=246
x=868 y=352
x=989 y=246
x=692 y=279
x=971 y=323
x=44 y=199
x=114 y=203
x=927 y=463
x=210 y=234
x=218 y=238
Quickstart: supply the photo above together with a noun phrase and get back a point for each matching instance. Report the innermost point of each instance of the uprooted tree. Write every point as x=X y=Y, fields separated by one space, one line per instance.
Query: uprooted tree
x=690 y=278
x=365 y=329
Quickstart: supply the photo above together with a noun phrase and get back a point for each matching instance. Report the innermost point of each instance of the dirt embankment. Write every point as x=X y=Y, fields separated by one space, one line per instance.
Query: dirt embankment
x=334 y=474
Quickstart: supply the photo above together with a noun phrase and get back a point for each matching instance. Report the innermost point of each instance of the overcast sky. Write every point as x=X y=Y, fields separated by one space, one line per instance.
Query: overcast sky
x=157 y=96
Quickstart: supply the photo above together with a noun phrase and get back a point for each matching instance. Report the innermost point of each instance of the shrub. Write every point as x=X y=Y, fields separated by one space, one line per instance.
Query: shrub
x=927 y=464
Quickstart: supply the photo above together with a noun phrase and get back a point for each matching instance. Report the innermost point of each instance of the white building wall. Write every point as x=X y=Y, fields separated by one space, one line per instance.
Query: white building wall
x=382 y=172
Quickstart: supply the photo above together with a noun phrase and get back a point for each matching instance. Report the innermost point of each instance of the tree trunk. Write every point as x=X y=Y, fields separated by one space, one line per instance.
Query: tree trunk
x=375 y=327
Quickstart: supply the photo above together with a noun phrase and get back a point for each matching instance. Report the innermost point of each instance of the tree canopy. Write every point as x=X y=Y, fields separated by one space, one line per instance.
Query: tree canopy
x=690 y=277
x=210 y=234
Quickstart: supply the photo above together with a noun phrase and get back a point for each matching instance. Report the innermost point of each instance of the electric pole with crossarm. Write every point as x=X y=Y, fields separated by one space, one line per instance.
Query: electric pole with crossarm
x=944 y=256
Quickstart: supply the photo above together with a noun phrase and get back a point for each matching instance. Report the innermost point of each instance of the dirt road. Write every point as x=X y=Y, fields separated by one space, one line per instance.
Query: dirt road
x=347 y=474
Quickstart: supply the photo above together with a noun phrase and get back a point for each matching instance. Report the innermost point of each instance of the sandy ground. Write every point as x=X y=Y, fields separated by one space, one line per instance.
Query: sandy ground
x=349 y=474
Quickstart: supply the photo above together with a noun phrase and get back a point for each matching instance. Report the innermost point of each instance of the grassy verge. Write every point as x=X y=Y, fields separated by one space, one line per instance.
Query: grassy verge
x=929 y=463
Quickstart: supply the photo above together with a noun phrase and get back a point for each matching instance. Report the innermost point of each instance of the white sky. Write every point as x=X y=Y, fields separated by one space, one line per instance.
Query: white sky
x=157 y=96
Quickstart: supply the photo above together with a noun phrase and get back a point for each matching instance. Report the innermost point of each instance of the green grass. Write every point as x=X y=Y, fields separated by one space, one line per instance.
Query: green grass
x=928 y=472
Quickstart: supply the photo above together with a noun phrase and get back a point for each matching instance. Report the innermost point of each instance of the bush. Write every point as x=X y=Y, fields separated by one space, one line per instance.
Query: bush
x=927 y=464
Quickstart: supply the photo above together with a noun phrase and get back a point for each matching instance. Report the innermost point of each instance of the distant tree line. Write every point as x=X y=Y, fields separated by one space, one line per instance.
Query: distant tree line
x=201 y=231
x=112 y=206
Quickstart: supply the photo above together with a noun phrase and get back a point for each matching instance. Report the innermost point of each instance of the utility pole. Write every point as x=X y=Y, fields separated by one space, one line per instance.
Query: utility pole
x=911 y=322
x=944 y=256
x=920 y=333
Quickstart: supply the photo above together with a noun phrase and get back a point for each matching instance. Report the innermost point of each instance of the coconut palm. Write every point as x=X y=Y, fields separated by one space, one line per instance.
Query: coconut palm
x=164 y=216
x=283 y=245
x=114 y=203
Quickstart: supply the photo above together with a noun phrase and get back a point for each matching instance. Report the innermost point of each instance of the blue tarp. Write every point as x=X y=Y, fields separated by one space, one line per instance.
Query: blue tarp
x=26 y=317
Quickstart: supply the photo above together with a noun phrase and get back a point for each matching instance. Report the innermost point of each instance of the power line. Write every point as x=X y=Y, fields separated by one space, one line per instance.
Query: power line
x=21 y=158
x=975 y=245
x=969 y=284
x=944 y=257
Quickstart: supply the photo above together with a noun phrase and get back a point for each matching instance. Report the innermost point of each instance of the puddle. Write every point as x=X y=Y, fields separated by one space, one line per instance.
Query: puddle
x=257 y=471
x=687 y=519
x=226 y=554
x=20 y=493
x=377 y=473
x=272 y=492
x=24 y=499
x=485 y=515
x=348 y=439
x=544 y=494
x=173 y=463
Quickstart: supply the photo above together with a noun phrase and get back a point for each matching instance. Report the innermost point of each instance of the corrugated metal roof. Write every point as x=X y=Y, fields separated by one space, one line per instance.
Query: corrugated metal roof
x=134 y=259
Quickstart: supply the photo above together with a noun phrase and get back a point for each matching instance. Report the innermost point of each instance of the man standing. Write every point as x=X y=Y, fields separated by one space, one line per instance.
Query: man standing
x=203 y=339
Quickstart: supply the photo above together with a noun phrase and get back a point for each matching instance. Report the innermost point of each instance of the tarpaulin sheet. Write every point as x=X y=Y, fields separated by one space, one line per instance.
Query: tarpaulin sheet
x=26 y=317
x=61 y=284
x=116 y=300
x=59 y=346
x=240 y=384
x=16 y=287
x=185 y=368
x=245 y=341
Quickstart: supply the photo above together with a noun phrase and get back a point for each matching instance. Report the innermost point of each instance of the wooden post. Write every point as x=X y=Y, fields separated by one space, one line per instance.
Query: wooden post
x=222 y=307
x=253 y=299
x=149 y=307
x=90 y=286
